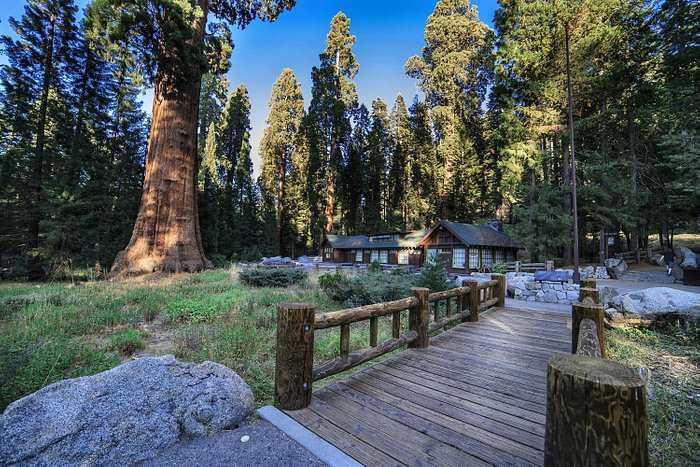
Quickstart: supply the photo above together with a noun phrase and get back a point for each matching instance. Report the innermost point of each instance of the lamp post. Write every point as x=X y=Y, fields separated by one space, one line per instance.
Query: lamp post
x=577 y=275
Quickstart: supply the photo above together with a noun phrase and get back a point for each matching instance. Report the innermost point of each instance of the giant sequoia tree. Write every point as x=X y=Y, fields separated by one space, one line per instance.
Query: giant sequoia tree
x=173 y=42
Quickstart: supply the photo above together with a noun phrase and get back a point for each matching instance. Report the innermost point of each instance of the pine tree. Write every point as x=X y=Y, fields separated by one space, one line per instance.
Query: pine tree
x=246 y=227
x=354 y=179
x=328 y=126
x=453 y=71
x=378 y=154
x=424 y=154
x=277 y=147
x=209 y=185
x=400 y=188
x=34 y=81
x=234 y=128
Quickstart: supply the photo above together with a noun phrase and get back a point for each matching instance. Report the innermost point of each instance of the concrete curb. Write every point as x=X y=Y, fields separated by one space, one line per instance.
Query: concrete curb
x=322 y=449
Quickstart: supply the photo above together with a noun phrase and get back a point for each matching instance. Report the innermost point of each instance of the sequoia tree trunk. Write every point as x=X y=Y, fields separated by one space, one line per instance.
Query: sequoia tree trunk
x=166 y=234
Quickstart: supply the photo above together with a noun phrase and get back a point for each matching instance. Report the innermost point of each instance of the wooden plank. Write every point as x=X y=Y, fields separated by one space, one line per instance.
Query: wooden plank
x=396 y=324
x=510 y=329
x=477 y=450
x=349 y=444
x=397 y=440
x=491 y=380
x=524 y=323
x=488 y=367
x=484 y=430
x=522 y=348
x=512 y=356
x=534 y=320
x=344 y=340
x=457 y=396
x=536 y=314
x=505 y=402
x=494 y=331
x=450 y=418
x=351 y=315
x=373 y=331
x=409 y=390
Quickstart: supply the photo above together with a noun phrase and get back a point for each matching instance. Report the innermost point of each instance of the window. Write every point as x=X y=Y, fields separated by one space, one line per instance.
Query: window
x=358 y=256
x=458 y=258
x=510 y=256
x=403 y=256
x=487 y=257
x=500 y=255
x=431 y=255
x=374 y=256
x=384 y=257
x=328 y=252
x=474 y=258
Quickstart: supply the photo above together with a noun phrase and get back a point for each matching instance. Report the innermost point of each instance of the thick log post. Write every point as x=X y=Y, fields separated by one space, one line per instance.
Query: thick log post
x=596 y=413
x=500 y=289
x=517 y=266
x=549 y=265
x=588 y=344
x=589 y=283
x=473 y=300
x=581 y=311
x=588 y=293
x=418 y=318
x=295 y=355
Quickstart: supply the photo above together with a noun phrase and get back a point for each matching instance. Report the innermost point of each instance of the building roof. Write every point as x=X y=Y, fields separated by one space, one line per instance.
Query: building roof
x=348 y=242
x=476 y=235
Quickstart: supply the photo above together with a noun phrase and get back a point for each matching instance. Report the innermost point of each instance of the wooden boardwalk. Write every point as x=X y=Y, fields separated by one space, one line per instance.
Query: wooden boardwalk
x=476 y=396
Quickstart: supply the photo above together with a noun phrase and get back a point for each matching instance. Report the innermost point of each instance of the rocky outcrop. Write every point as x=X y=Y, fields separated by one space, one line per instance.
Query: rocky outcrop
x=690 y=259
x=123 y=416
x=656 y=301
x=616 y=267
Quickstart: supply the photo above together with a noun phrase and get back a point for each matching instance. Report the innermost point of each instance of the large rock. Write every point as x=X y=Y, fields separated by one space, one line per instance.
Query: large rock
x=658 y=259
x=657 y=301
x=690 y=259
x=616 y=267
x=124 y=415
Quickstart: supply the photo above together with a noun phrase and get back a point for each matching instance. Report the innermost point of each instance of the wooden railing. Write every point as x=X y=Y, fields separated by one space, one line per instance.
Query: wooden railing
x=297 y=323
x=519 y=266
x=596 y=408
x=638 y=255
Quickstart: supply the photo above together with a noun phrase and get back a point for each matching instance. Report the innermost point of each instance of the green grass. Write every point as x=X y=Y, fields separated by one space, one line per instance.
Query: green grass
x=673 y=356
x=62 y=330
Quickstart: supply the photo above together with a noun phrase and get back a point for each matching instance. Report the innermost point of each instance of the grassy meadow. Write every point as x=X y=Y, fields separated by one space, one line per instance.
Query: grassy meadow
x=53 y=331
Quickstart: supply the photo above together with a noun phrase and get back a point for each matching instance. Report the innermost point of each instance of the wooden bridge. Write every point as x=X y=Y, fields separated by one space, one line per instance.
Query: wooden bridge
x=475 y=394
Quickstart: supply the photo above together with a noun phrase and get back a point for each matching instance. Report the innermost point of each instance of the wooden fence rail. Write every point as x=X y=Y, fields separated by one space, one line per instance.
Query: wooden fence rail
x=297 y=322
x=596 y=408
x=519 y=266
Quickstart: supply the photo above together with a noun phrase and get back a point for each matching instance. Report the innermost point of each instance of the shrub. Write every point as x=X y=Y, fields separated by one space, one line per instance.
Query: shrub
x=250 y=254
x=433 y=276
x=218 y=260
x=500 y=268
x=195 y=310
x=365 y=289
x=127 y=342
x=272 y=277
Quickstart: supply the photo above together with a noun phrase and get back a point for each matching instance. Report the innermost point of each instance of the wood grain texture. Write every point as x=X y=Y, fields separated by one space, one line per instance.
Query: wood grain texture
x=596 y=413
x=294 y=355
x=418 y=318
x=352 y=315
x=581 y=311
x=588 y=344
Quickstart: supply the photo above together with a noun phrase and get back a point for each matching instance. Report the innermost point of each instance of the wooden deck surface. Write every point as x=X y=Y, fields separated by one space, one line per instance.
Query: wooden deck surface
x=476 y=396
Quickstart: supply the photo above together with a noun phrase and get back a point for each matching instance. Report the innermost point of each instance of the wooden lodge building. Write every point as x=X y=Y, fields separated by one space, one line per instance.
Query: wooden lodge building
x=461 y=247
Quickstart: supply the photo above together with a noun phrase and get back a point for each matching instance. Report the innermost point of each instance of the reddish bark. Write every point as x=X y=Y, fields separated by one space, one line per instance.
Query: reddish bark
x=166 y=234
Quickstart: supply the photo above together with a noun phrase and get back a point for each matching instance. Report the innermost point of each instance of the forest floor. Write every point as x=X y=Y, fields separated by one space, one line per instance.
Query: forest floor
x=54 y=331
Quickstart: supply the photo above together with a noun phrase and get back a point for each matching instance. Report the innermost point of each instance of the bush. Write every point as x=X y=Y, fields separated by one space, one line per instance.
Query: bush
x=127 y=342
x=365 y=289
x=218 y=260
x=433 y=276
x=250 y=254
x=500 y=268
x=272 y=277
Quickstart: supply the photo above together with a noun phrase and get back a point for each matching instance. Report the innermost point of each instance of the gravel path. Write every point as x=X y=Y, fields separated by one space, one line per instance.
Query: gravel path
x=267 y=446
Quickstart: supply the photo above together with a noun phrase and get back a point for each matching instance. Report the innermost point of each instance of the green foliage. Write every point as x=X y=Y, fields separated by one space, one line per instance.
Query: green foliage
x=330 y=280
x=272 y=277
x=499 y=268
x=368 y=288
x=433 y=276
x=127 y=342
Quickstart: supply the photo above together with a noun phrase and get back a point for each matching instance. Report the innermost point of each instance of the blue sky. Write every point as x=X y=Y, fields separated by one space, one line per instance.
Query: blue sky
x=388 y=33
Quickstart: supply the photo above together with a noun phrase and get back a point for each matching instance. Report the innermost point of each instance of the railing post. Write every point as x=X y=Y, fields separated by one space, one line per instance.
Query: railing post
x=473 y=300
x=295 y=355
x=517 y=266
x=500 y=289
x=549 y=265
x=589 y=283
x=594 y=312
x=589 y=293
x=418 y=317
x=596 y=413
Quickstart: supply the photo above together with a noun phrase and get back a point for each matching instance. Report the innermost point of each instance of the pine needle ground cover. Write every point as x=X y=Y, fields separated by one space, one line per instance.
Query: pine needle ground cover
x=673 y=356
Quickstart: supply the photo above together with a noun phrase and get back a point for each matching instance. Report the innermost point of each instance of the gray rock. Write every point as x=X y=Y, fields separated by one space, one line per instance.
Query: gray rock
x=690 y=259
x=572 y=296
x=601 y=273
x=586 y=272
x=607 y=294
x=124 y=415
x=658 y=259
x=612 y=314
x=657 y=301
x=616 y=267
